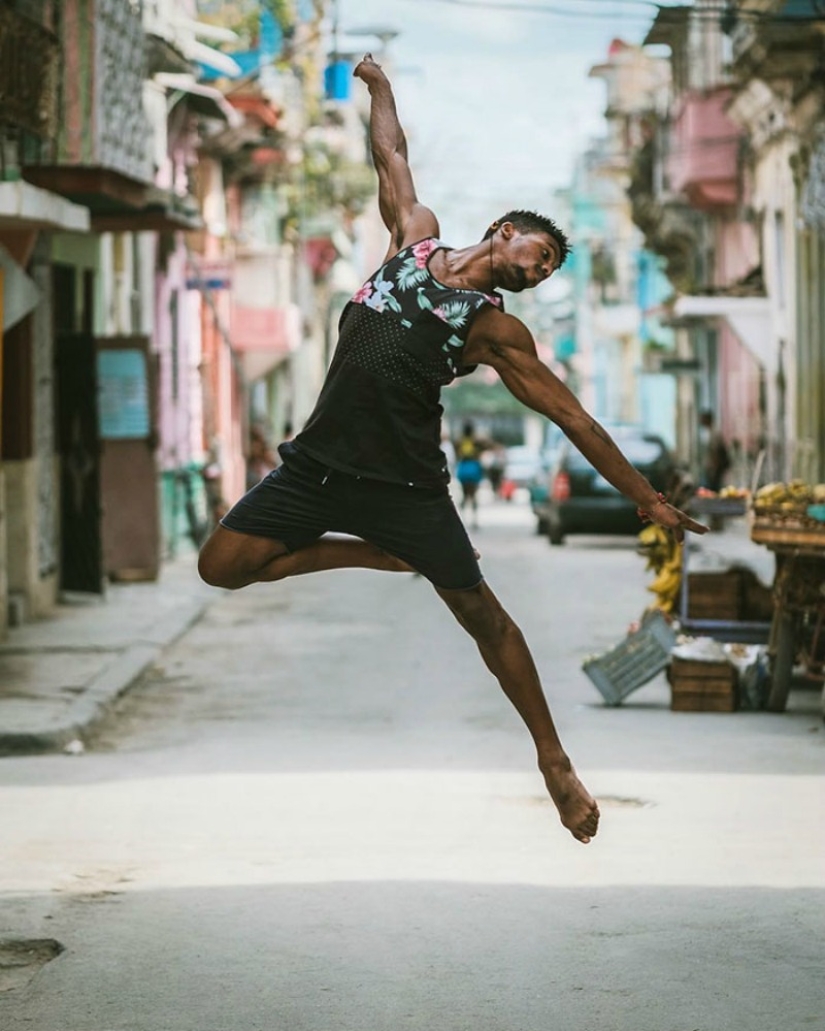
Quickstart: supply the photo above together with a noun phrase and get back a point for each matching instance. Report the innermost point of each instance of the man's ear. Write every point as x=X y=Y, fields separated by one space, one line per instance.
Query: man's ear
x=507 y=230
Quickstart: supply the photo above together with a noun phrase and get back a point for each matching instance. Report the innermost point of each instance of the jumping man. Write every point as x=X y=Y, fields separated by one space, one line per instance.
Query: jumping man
x=368 y=462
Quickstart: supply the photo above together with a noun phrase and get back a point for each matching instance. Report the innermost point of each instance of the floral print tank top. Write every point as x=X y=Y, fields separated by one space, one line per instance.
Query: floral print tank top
x=400 y=341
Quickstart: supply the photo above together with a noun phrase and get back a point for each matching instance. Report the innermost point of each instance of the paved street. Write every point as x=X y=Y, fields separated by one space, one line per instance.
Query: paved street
x=317 y=811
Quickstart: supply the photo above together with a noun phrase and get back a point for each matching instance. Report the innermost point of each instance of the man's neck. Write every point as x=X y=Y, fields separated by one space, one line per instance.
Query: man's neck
x=468 y=268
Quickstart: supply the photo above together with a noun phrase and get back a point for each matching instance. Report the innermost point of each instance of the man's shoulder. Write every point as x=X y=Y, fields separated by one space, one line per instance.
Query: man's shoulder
x=493 y=323
x=493 y=334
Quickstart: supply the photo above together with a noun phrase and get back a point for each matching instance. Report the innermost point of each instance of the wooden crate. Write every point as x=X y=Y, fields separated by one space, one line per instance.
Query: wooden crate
x=757 y=599
x=702 y=686
x=715 y=595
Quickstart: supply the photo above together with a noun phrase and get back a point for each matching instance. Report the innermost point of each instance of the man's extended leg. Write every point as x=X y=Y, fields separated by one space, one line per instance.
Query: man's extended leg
x=508 y=658
x=233 y=560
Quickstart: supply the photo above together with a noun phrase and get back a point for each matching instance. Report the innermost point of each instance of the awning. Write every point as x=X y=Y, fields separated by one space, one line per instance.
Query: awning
x=206 y=100
x=748 y=317
x=21 y=294
x=215 y=59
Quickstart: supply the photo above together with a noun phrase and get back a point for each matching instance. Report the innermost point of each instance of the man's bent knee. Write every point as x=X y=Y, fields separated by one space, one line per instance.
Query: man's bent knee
x=231 y=560
x=215 y=571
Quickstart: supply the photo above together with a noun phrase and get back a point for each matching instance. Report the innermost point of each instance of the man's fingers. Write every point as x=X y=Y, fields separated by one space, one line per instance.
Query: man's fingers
x=685 y=523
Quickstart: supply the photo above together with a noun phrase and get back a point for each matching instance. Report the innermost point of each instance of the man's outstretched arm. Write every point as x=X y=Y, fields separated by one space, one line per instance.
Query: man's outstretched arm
x=406 y=219
x=505 y=343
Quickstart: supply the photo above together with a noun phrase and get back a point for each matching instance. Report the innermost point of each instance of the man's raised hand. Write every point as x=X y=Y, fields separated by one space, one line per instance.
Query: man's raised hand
x=368 y=69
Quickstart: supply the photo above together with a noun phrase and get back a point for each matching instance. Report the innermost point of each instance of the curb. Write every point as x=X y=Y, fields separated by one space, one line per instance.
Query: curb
x=104 y=689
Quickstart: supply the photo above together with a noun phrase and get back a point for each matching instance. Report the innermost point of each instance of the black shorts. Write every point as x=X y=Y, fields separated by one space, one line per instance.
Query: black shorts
x=303 y=499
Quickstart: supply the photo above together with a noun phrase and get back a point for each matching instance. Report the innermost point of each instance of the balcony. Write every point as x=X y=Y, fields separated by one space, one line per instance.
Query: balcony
x=703 y=164
x=101 y=156
x=264 y=337
x=778 y=39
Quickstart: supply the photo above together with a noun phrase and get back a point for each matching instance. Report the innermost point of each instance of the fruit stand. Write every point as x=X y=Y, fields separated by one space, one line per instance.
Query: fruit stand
x=789 y=519
x=713 y=605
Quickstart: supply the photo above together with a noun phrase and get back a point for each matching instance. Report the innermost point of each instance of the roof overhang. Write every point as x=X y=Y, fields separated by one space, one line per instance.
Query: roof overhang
x=668 y=25
x=748 y=317
x=102 y=190
x=115 y=202
x=24 y=207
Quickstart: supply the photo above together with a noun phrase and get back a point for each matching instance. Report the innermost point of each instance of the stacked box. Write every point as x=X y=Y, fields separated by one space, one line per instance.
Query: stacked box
x=715 y=595
x=702 y=686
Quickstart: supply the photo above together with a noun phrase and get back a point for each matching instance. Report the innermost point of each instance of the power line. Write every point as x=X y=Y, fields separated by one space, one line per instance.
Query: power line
x=519 y=6
x=718 y=14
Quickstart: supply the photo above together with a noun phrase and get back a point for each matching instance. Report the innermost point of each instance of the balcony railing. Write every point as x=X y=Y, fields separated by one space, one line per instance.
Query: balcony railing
x=29 y=58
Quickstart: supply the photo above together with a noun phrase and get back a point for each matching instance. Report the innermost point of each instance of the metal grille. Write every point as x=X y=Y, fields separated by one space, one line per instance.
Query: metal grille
x=29 y=56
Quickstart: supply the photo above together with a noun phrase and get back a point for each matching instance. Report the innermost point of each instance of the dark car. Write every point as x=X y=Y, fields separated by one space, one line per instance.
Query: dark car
x=580 y=500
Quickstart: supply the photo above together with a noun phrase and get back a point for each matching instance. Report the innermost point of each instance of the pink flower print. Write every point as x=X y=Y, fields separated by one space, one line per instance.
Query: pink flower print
x=440 y=313
x=422 y=251
x=361 y=296
x=493 y=299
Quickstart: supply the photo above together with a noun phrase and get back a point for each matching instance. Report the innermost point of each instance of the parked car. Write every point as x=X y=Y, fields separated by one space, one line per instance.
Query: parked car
x=523 y=464
x=580 y=500
x=525 y=467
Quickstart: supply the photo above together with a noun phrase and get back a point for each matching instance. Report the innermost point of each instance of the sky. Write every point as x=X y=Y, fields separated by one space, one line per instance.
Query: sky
x=496 y=103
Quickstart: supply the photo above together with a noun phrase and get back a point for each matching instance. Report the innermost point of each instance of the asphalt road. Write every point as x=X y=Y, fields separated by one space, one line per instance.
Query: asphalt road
x=319 y=812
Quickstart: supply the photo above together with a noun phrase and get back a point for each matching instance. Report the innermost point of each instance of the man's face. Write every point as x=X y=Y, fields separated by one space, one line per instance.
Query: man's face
x=531 y=258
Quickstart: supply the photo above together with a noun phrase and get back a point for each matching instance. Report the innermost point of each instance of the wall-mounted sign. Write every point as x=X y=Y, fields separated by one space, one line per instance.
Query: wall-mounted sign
x=123 y=394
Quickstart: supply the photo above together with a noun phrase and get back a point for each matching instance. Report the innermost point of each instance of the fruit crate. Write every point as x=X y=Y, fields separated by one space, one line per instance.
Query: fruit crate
x=715 y=595
x=703 y=686
x=634 y=662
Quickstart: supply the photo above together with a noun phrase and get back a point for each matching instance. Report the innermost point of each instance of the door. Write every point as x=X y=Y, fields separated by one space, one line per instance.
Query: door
x=127 y=377
x=81 y=551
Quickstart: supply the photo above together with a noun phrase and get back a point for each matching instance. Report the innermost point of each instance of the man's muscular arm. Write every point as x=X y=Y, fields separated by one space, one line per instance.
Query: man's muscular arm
x=505 y=343
x=406 y=219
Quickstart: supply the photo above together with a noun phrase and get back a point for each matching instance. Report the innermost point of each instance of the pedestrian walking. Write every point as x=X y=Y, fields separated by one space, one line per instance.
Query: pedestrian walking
x=469 y=471
x=715 y=457
x=368 y=463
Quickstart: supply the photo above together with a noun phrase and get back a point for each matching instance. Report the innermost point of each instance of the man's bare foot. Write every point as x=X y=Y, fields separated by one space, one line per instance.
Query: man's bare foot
x=368 y=70
x=577 y=808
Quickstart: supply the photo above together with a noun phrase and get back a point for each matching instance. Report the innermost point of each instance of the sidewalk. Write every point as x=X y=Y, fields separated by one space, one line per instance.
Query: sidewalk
x=59 y=675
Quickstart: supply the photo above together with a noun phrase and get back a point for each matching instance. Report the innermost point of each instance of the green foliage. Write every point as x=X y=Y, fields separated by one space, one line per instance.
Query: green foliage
x=243 y=17
x=327 y=181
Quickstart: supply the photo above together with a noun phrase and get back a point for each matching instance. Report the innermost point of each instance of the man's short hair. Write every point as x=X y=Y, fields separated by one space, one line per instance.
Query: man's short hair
x=533 y=222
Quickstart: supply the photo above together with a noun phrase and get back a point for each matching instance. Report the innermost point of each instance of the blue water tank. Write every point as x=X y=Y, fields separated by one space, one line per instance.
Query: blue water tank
x=338 y=80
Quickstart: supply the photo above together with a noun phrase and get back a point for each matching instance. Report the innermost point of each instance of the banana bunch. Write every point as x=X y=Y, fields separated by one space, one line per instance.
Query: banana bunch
x=792 y=498
x=664 y=557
